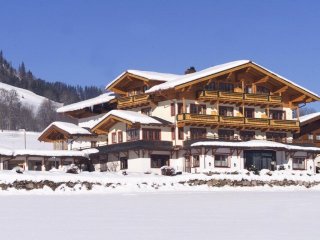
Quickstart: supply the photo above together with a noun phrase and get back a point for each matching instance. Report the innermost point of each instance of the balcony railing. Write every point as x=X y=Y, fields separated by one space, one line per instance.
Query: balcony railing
x=203 y=119
x=231 y=120
x=237 y=97
x=199 y=118
x=133 y=101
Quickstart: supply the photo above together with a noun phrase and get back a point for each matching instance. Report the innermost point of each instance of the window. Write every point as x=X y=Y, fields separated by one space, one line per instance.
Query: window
x=248 y=112
x=226 y=87
x=298 y=163
x=226 y=134
x=210 y=87
x=181 y=133
x=114 y=137
x=146 y=111
x=277 y=114
x=123 y=163
x=173 y=109
x=276 y=136
x=195 y=161
x=120 y=137
x=225 y=111
x=196 y=133
x=247 y=135
x=133 y=134
x=310 y=137
x=93 y=144
x=248 y=89
x=198 y=109
x=145 y=88
x=151 y=134
x=318 y=137
x=180 y=108
x=158 y=161
x=173 y=133
x=262 y=90
x=221 y=160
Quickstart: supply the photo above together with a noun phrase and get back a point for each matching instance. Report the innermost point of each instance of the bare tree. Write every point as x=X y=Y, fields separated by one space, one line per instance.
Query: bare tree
x=46 y=114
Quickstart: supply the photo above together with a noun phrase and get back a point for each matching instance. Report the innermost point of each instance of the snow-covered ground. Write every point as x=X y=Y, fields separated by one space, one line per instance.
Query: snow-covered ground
x=201 y=215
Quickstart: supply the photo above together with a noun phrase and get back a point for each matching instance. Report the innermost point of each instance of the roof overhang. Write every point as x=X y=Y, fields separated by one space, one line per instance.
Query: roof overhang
x=308 y=96
x=56 y=134
x=127 y=76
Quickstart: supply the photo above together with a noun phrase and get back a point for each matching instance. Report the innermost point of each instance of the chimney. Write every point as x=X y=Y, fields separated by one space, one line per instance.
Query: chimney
x=190 y=70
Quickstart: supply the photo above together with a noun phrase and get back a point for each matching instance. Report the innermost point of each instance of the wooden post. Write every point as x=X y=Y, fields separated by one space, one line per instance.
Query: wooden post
x=298 y=112
x=43 y=167
x=184 y=106
x=26 y=167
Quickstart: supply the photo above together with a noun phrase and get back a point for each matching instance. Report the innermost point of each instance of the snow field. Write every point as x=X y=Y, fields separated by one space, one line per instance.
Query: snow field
x=214 y=215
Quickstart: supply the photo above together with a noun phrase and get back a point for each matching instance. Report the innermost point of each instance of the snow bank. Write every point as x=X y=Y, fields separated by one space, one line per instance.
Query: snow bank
x=255 y=144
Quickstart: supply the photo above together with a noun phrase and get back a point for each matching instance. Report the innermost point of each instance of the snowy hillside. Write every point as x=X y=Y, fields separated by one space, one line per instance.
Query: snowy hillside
x=15 y=140
x=27 y=97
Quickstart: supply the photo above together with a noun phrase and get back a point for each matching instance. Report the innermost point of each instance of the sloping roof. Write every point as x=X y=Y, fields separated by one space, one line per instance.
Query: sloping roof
x=196 y=75
x=70 y=128
x=255 y=144
x=183 y=79
x=309 y=118
x=155 y=76
x=103 y=98
x=130 y=116
x=66 y=129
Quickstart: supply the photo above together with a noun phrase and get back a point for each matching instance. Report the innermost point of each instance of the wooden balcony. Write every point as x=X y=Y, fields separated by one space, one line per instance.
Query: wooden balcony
x=133 y=101
x=230 y=120
x=256 y=98
x=236 y=122
x=236 y=97
x=230 y=96
x=260 y=122
x=197 y=119
x=275 y=99
x=285 y=124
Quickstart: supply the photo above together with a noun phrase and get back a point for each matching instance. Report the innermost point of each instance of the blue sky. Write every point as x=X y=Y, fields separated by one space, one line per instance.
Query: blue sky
x=91 y=42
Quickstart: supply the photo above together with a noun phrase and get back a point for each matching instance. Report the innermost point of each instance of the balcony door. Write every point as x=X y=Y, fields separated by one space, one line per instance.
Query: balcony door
x=277 y=114
x=226 y=111
x=197 y=133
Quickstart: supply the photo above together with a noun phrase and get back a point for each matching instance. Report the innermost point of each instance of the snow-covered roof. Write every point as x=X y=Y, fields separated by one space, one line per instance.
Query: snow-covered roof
x=90 y=122
x=47 y=153
x=255 y=144
x=133 y=117
x=305 y=118
x=182 y=79
x=103 y=98
x=156 y=76
x=70 y=128
x=196 y=75
x=5 y=151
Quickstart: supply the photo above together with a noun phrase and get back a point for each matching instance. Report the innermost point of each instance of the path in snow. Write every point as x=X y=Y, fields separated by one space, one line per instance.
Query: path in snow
x=211 y=215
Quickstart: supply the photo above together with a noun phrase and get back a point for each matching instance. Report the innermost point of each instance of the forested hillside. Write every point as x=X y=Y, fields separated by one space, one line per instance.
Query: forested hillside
x=56 y=91
x=21 y=109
